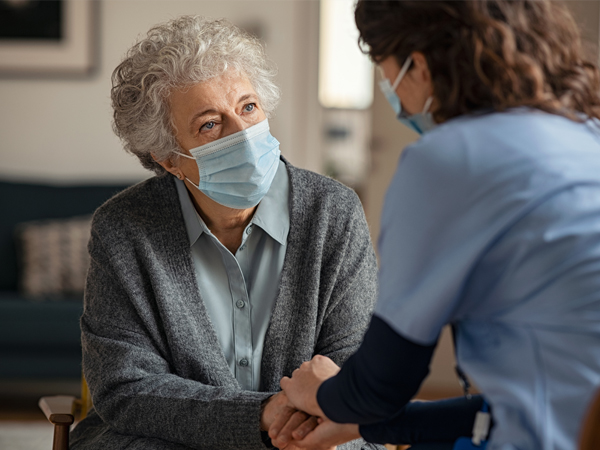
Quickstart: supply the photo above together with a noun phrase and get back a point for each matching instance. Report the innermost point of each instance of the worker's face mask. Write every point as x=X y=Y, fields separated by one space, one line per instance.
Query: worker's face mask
x=237 y=171
x=420 y=122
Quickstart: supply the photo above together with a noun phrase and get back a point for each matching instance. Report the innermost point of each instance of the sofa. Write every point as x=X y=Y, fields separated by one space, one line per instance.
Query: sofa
x=39 y=333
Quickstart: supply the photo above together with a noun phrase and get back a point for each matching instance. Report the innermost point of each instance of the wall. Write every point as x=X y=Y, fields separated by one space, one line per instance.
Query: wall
x=59 y=130
x=587 y=16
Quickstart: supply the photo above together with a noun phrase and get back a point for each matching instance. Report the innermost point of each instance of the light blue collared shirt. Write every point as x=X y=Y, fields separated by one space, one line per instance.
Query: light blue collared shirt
x=239 y=290
x=492 y=223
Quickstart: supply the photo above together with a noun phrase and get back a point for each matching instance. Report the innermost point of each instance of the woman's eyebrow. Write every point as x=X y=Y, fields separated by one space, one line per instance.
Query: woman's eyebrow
x=246 y=97
x=202 y=113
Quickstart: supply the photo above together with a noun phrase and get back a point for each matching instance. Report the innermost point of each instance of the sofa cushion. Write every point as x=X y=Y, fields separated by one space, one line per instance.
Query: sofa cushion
x=22 y=202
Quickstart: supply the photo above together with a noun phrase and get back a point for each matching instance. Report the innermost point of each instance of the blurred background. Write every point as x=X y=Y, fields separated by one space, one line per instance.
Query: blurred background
x=59 y=158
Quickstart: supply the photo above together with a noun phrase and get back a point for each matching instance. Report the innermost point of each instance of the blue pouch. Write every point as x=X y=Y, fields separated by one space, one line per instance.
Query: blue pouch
x=465 y=443
x=481 y=428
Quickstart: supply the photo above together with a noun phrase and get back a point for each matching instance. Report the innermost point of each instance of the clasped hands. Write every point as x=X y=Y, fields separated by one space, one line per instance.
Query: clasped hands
x=293 y=416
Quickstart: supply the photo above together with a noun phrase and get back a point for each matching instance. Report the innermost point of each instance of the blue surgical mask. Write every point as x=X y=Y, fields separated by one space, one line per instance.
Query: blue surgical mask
x=420 y=122
x=237 y=171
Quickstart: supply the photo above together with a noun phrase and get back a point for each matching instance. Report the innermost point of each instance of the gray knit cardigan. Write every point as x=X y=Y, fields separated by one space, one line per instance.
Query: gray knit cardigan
x=156 y=371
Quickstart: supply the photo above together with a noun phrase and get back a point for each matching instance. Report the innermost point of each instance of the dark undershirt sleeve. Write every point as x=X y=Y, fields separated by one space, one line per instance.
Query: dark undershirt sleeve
x=378 y=380
x=437 y=421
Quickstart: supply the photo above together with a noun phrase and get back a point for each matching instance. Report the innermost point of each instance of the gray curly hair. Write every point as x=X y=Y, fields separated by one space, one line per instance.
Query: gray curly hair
x=174 y=55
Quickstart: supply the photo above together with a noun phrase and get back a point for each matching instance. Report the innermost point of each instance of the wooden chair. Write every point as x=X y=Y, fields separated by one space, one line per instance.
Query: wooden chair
x=590 y=433
x=62 y=411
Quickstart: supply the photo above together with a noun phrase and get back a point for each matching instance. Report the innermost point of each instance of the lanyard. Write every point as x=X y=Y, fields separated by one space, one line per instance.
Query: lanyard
x=481 y=426
x=462 y=377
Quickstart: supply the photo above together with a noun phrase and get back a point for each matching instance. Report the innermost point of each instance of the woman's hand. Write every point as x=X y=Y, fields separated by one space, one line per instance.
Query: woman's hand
x=300 y=424
x=287 y=430
x=301 y=389
x=276 y=408
x=326 y=436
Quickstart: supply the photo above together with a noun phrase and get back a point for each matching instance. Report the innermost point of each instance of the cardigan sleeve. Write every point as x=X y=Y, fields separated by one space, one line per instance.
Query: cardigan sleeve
x=353 y=293
x=133 y=387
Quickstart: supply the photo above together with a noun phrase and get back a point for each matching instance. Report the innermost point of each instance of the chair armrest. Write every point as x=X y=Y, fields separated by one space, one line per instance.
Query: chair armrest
x=57 y=404
x=59 y=411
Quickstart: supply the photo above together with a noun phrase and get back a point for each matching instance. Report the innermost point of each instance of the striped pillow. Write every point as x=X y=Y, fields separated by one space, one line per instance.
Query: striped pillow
x=54 y=257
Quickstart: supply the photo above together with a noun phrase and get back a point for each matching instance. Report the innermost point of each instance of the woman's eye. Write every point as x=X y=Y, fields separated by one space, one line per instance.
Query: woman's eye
x=208 y=126
x=249 y=107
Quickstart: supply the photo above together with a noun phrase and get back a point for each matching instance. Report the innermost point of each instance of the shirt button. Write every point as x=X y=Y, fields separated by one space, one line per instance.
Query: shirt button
x=243 y=362
x=249 y=230
x=240 y=304
x=242 y=247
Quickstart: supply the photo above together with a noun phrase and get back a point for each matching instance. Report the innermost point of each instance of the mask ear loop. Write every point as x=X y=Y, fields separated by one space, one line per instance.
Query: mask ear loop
x=181 y=176
x=403 y=71
x=428 y=103
x=184 y=155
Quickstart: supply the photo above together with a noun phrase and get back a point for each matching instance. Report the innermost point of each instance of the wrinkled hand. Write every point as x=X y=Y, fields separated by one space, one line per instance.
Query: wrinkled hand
x=301 y=389
x=277 y=411
x=276 y=407
x=299 y=423
x=327 y=435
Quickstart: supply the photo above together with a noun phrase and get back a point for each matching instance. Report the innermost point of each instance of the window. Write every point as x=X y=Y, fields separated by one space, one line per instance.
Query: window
x=345 y=73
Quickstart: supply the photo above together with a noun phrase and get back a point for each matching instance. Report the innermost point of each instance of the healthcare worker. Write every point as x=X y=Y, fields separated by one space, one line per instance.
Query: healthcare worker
x=491 y=224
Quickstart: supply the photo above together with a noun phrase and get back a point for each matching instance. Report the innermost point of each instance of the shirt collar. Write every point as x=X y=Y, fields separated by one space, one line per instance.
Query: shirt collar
x=272 y=214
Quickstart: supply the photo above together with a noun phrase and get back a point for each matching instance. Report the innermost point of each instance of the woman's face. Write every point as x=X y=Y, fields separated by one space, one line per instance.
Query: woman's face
x=415 y=87
x=211 y=110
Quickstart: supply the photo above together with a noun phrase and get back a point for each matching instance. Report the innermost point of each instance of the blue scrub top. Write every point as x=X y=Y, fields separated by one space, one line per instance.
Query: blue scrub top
x=492 y=223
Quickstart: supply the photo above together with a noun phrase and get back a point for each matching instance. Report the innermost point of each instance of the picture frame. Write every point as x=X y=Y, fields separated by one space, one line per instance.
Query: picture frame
x=72 y=54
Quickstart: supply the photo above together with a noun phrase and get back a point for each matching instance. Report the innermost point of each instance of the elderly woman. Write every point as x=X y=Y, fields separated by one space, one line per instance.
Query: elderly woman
x=223 y=273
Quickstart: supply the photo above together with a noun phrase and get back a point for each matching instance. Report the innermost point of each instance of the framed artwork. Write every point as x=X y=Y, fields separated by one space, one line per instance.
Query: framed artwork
x=47 y=37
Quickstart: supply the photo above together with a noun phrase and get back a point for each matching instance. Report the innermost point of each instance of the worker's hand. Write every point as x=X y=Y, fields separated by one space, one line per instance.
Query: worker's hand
x=326 y=436
x=301 y=389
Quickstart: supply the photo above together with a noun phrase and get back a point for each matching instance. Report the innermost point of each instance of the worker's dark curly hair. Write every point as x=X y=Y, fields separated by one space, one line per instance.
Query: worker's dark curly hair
x=488 y=54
